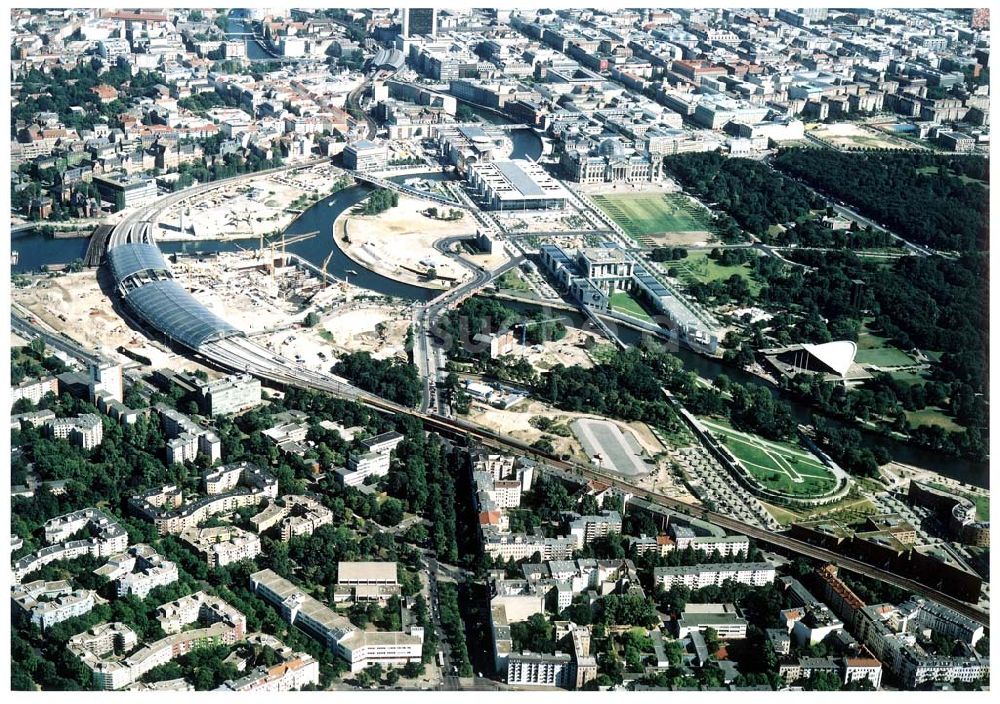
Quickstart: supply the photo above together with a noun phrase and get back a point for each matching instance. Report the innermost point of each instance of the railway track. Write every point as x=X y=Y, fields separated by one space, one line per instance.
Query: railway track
x=242 y=354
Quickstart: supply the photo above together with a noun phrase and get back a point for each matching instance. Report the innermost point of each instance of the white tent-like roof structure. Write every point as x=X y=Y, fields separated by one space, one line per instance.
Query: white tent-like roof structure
x=838 y=355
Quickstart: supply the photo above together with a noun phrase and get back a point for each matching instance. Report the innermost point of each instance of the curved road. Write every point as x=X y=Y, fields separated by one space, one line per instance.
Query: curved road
x=241 y=354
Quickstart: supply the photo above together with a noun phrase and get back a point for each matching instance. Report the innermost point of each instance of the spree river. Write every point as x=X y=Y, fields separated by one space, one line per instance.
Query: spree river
x=35 y=250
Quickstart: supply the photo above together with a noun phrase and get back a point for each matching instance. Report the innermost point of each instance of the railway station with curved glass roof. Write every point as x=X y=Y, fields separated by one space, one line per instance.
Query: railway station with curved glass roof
x=145 y=281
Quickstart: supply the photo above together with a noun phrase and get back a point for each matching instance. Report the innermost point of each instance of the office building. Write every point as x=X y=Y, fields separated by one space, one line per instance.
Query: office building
x=419 y=22
x=726 y=619
x=365 y=156
x=359 y=648
x=125 y=191
x=516 y=185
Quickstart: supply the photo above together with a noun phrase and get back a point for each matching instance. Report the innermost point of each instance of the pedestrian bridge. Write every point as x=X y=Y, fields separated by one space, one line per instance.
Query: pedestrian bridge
x=408 y=190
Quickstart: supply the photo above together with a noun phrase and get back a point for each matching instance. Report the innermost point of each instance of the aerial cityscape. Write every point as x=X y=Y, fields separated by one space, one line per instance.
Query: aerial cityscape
x=417 y=349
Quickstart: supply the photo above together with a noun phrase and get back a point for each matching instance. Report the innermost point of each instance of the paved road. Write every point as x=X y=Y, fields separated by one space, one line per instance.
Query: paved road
x=20 y=324
x=847 y=212
x=243 y=355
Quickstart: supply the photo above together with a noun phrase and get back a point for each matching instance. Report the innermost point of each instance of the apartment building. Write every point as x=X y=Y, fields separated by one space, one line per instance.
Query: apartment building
x=286 y=676
x=756 y=574
x=165 y=506
x=86 y=430
x=106 y=538
x=538 y=669
x=222 y=545
x=230 y=394
x=587 y=529
x=34 y=389
x=138 y=571
x=48 y=603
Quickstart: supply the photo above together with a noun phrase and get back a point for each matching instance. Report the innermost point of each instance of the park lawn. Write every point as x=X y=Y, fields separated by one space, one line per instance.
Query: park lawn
x=643 y=214
x=884 y=357
x=603 y=353
x=927 y=170
x=909 y=376
x=698 y=266
x=781 y=515
x=512 y=280
x=767 y=462
x=624 y=302
x=933 y=416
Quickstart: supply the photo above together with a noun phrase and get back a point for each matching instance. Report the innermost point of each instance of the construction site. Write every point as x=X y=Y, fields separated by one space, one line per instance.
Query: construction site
x=251 y=209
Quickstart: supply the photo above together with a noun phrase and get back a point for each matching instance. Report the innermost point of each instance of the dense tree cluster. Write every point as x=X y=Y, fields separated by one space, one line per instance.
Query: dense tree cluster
x=746 y=189
x=425 y=481
x=816 y=233
x=667 y=254
x=918 y=194
x=930 y=303
x=380 y=201
x=392 y=379
x=31 y=362
x=454 y=630
x=74 y=89
x=535 y=634
x=631 y=387
x=484 y=315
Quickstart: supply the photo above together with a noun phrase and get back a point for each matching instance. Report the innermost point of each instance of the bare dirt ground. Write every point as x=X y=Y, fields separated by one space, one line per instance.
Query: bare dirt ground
x=399 y=243
x=75 y=304
x=516 y=423
x=687 y=238
x=250 y=209
x=352 y=327
x=569 y=351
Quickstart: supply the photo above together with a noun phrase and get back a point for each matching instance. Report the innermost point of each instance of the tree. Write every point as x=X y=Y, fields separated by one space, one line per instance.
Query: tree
x=312 y=319
x=823 y=681
x=390 y=513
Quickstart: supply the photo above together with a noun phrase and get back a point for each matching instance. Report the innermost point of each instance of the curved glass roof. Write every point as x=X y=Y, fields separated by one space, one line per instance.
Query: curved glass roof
x=128 y=259
x=168 y=307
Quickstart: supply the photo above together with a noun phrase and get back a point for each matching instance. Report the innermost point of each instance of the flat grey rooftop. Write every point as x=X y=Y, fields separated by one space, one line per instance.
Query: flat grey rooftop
x=620 y=451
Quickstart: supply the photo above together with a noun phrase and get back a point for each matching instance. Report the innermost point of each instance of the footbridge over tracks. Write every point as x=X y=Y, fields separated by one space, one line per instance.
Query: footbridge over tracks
x=408 y=190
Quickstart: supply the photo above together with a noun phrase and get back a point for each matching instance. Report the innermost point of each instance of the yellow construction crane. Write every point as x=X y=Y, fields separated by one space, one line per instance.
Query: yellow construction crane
x=285 y=241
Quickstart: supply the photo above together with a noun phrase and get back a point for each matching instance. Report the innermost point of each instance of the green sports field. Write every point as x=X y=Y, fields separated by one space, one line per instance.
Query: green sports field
x=643 y=214
x=777 y=466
